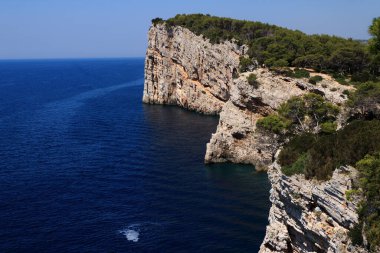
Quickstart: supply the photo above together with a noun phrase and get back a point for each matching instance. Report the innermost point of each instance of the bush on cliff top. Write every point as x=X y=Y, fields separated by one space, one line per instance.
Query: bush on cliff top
x=315 y=79
x=296 y=73
x=301 y=73
x=295 y=148
x=156 y=21
x=366 y=100
x=327 y=152
x=245 y=64
x=275 y=46
x=302 y=114
x=252 y=80
x=274 y=123
x=369 y=214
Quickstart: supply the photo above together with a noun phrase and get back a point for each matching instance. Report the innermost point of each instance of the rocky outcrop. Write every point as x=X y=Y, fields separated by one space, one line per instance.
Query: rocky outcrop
x=237 y=139
x=184 y=69
x=311 y=216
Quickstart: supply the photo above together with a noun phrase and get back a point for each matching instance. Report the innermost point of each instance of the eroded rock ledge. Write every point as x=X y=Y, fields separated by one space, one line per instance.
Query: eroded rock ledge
x=310 y=216
x=184 y=69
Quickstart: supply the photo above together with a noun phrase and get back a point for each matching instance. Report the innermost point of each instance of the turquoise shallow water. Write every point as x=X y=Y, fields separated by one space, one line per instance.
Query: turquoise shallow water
x=86 y=167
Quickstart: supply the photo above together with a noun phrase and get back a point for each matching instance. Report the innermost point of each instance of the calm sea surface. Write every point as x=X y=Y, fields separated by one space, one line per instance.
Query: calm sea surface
x=86 y=167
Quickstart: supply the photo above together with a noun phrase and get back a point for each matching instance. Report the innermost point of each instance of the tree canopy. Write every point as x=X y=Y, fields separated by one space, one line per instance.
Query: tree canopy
x=276 y=46
x=309 y=113
x=374 y=44
x=369 y=213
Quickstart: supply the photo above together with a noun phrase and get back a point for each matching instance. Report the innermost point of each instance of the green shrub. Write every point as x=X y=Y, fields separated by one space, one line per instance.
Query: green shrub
x=301 y=73
x=273 y=123
x=350 y=193
x=288 y=73
x=296 y=73
x=282 y=71
x=369 y=168
x=356 y=234
x=342 y=81
x=296 y=147
x=252 y=80
x=245 y=64
x=312 y=81
x=278 y=63
x=156 y=21
x=315 y=79
x=308 y=111
x=297 y=167
x=301 y=114
x=345 y=147
x=366 y=100
x=363 y=76
x=328 y=127
x=327 y=152
x=333 y=89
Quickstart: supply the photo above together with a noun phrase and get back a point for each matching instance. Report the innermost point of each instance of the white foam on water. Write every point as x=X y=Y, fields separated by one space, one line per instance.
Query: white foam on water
x=130 y=234
x=133 y=231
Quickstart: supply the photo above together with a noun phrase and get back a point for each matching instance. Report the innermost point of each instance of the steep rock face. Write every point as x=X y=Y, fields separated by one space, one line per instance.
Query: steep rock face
x=310 y=216
x=184 y=69
x=237 y=139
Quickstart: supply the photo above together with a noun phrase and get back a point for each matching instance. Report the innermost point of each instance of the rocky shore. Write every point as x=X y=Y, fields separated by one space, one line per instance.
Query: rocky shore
x=184 y=69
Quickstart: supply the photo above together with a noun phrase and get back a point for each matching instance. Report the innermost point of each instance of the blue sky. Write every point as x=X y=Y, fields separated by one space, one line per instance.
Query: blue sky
x=118 y=28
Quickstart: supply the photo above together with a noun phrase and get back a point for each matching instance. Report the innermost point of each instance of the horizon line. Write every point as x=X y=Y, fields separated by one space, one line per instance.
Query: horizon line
x=71 y=58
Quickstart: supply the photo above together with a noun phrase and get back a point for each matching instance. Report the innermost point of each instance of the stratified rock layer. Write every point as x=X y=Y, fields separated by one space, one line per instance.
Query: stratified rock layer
x=184 y=69
x=310 y=216
x=237 y=139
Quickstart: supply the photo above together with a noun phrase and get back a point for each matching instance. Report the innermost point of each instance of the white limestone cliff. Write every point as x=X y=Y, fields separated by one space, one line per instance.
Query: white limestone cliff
x=311 y=216
x=184 y=69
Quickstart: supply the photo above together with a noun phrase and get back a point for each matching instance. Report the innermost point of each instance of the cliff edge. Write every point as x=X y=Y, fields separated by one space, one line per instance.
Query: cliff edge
x=184 y=69
x=187 y=70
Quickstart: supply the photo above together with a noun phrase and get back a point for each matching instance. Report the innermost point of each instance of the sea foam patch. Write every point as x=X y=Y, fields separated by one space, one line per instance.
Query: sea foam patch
x=134 y=231
x=130 y=234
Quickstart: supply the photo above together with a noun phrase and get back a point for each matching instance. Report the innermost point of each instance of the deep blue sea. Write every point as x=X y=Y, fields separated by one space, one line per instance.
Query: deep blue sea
x=86 y=167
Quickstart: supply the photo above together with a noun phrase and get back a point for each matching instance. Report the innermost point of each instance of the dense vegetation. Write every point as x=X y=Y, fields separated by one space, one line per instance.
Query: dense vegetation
x=315 y=148
x=275 y=46
x=369 y=212
x=318 y=154
x=274 y=123
x=366 y=100
x=309 y=113
x=374 y=44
